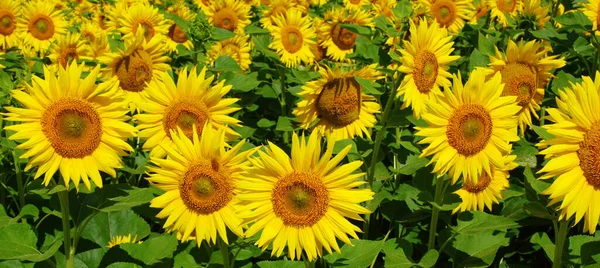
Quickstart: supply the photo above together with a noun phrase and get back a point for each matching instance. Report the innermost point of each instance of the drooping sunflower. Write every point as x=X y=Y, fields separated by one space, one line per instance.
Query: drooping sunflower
x=525 y=70
x=10 y=11
x=176 y=35
x=187 y=105
x=231 y=15
x=534 y=12
x=71 y=125
x=302 y=201
x=499 y=9
x=292 y=37
x=137 y=65
x=339 y=104
x=573 y=153
x=470 y=128
x=277 y=8
x=450 y=14
x=425 y=59
x=487 y=190
x=200 y=178
x=339 y=41
x=40 y=24
x=592 y=9
x=68 y=48
x=143 y=17
x=237 y=47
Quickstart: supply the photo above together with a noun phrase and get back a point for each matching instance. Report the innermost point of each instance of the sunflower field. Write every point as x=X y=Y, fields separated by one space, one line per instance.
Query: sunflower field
x=299 y=133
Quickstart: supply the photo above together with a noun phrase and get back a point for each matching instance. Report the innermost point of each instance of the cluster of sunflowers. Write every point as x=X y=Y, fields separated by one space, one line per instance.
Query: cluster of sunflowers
x=108 y=87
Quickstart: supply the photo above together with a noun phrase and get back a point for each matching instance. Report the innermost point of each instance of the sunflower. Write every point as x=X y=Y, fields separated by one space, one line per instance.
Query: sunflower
x=487 y=190
x=573 y=153
x=356 y=4
x=525 y=71
x=176 y=35
x=90 y=31
x=231 y=15
x=144 y=17
x=450 y=14
x=337 y=100
x=425 y=59
x=534 y=11
x=292 y=38
x=481 y=9
x=302 y=200
x=339 y=41
x=122 y=239
x=237 y=47
x=200 y=180
x=71 y=125
x=9 y=12
x=278 y=8
x=68 y=48
x=100 y=47
x=385 y=8
x=500 y=8
x=137 y=65
x=470 y=127
x=591 y=10
x=187 y=105
x=40 y=24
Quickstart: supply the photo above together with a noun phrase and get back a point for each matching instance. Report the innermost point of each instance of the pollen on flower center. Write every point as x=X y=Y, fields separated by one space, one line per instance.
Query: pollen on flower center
x=300 y=199
x=343 y=38
x=340 y=100
x=225 y=19
x=589 y=156
x=292 y=39
x=7 y=23
x=185 y=116
x=469 y=129
x=425 y=71
x=444 y=11
x=134 y=71
x=482 y=183
x=204 y=189
x=520 y=80
x=41 y=27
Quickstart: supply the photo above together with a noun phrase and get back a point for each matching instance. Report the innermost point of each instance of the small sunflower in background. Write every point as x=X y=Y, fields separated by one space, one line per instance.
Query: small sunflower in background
x=501 y=8
x=487 y=190
x=176 y=35
x=68 y=48
x=237 y=47
x=10 y=11
x=71 y=125
x=573 y=154
x=385 y=8
x=41 y=24
x=277 y=8
x=425 y=61
x=481 y=9
x=292 y=37
x=356 y=4
x=534 y=12
x=145 y=18
x=339 y=41
x=187 y=105
x=231 y=15
x=302 y=200
x=137 y=65
x=450 y=14
x=526 y=69
x=337 y=104
x=200 y=179
x=470 y=128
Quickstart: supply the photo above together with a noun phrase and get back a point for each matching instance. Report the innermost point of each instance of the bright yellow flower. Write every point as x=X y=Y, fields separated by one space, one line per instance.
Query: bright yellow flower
x=68 y=48
x=339 y=41
x=40 y=24
x=231 y=15
x=450 y=14
x=143 y=17
x=292 y=37
x=499 y=9
x=237 y=47
x=10 y=11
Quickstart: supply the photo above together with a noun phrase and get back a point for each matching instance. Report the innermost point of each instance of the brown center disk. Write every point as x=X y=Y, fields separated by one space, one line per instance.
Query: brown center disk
x=339 y=101
x=292 y=39
x=482 y=184
x=134 y=71
x=425 y=71
x=41 y=27
x=343 y=38
x=469 y=129
x=176 y=34
x=300 y=199
x=205 y=188
x=7 y=23
x=73 y=127
x=147 y=27
x=225 y=19
x=185 y=116
x=520 y=80
x=589 y=156
x=506 y=5
x=445 y=12
x=67 y=55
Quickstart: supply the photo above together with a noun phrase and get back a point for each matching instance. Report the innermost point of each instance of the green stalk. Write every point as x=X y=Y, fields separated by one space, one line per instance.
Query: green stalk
x=224 y=252
x=63 y=198
x=19 y=174
x=560 y=238
x=282 y=100
x=435 y=212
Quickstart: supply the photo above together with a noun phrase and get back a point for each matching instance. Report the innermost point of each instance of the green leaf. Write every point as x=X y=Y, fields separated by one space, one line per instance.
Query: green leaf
x=526 y=155
x=537 y=185
x=18 y=241
x=485 y=46
x=477 y=59
x=220 y=34
x=584 y=250
x=122 y=265
x=104 y=226
x=284 y=124
x=397 y=254
x=248 y=252
x=185 y=260
x=574 y=20
x=357 y=29
x=280 y=264
x=429 y=259
x=240 y=82
x=361 y=254
x=563 y=80
x=377 y=199
x=369 y=87
x=413 y=163
x=538 y=210
x=542 y=132
x=226 y=64
x=262 y=45
x=544 y=241
x=476 y=221
x=476 y=249
x=265 y=123
x=131 y=198
x=152 y=250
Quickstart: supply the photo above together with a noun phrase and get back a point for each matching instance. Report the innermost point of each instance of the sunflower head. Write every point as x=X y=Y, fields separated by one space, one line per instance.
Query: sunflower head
x=10 y=11
x=68 y=48
x=338 y=40
x=292 y=38
x=41 y=24
x=450 y=14
x=237 y=47
x=231 y=15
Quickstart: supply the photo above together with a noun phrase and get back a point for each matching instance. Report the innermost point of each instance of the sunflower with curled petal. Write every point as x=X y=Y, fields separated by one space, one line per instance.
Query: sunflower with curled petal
x=71 y=125
x=500 y=8
x=278 y=8
x=40 y=24
x=200 y=179
x=187 y=105
x=339 y=41
x=450 y=14
x=292 y=38
x=487 y=190
x=145 y=18
x=68 y=48
x=231 y=15
x=10 y=11
x=425 y=59
x=470 y=128
x=237 y=47
x=573 y=153
x=339 y=104
x=526 y=69
x=302 y=201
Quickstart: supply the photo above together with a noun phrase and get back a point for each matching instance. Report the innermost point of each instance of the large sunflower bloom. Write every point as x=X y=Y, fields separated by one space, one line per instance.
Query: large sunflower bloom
x=302 y=201
x=450 y=14
x=525 y=71
x=237 y=47
x=68 y=48
x=499 y=9
x=470 y=128
x=71 y=125
x=573 y=153
x=339 y=41
x=187 y=105
x=425 y=59
x=200 y=178
x=10 y=10
x=41 y=24
x=337 y=100
x=143 y=17
x=231 y=15
x=292 y=38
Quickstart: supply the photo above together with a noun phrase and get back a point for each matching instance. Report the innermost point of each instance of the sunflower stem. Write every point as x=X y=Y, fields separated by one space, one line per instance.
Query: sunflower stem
x=63 y=198
x=435 y=212
x=20 y=186
x=560 y=238
x=224 y=252
x=282 y=101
